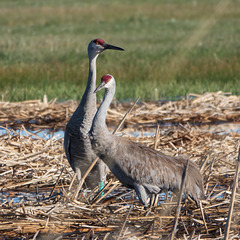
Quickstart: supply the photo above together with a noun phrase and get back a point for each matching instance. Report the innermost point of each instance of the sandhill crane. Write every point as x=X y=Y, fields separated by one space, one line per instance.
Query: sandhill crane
x=76 y=141
x=144 y=169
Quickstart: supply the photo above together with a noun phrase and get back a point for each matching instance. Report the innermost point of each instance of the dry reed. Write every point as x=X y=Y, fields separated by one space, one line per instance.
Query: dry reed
x=36 y=200
x=206 y=108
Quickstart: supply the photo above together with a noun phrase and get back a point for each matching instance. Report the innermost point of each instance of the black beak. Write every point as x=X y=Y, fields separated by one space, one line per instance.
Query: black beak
x=101 y=86
x=108 y=46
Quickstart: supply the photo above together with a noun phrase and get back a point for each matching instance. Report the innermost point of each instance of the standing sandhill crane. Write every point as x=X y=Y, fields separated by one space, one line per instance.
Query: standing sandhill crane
x=76 y=140
x=144 y=169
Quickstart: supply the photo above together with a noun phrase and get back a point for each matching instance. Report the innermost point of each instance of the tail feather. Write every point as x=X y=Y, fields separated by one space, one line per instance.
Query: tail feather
x=194 y=182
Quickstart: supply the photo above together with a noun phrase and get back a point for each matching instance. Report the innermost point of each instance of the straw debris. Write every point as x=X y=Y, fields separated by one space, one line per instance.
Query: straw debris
x=207 y=108
x=37 y=202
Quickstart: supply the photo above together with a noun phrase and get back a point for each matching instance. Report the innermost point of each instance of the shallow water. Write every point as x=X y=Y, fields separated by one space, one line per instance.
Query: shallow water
x=45 y=133
x=218 y=128
x=222 y=128
x=17 y=197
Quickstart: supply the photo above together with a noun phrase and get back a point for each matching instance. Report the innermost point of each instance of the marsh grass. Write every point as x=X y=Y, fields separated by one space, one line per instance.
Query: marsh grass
x=175 y=47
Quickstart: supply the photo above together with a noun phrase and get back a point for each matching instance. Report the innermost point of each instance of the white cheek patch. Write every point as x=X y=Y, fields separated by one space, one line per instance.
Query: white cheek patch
x=107 y=84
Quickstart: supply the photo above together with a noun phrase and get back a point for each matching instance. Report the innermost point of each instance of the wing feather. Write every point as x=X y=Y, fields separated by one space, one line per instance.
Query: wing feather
x=153 y=169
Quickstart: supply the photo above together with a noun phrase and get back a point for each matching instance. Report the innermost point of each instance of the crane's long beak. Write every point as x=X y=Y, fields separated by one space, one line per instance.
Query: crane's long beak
x=108 y=46
x=101 y=86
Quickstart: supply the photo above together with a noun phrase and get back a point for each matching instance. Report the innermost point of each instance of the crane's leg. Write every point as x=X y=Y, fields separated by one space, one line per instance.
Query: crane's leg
x=103 y=170
x=78 y=171
x=141 y=193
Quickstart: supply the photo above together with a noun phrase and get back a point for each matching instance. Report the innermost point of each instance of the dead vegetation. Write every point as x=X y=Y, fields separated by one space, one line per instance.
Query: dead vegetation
x=206 y=108
x=36 y=180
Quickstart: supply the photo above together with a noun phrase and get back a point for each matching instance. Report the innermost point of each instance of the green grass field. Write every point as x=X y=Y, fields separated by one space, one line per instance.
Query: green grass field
x=171 y=47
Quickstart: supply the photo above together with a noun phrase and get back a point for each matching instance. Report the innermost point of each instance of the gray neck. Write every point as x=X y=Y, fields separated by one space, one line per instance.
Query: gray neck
x=99 y=121
x=86 y=110
x=88 y=101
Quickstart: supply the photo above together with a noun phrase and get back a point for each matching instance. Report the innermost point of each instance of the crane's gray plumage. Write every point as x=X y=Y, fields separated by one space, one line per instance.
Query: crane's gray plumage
x=135 y=165
x=76 y=140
